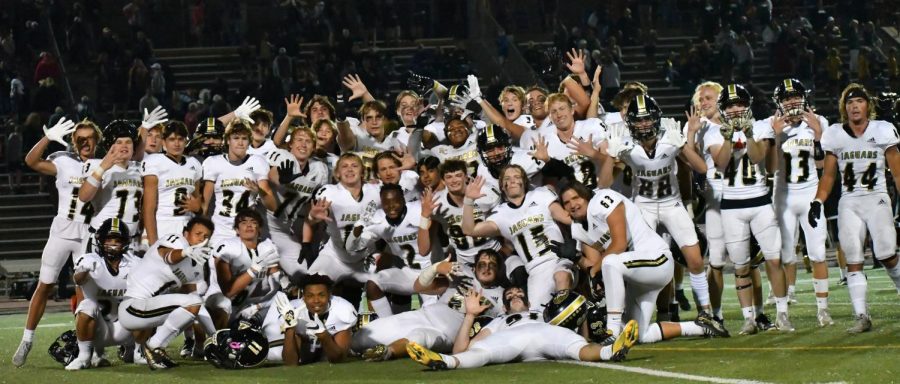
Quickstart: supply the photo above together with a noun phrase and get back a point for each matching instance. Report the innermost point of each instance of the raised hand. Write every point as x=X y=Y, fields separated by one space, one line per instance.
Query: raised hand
x=583 y=147
x=248 y=106
x=475 y=303
x=672 y=133
x=154 y=118
x=616 y=144
x=540 y=151
x=565 y=249
x=286 y=172
x=576 y=61
x=198 y=253
x=355 y=85
x=420 y=84
x=595 y=82
x=315 y=326
x=473 y=189
x=693 y=120
x=62 y=128
x=294 y=105
x=430 y=203
x=812 y=120
x=287 y=311
x=251 y=185
x=321 y=210
x=474 y=88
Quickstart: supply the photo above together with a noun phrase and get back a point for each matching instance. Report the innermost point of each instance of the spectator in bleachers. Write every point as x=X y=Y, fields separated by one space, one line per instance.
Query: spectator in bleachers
x=138 y=81
x=743 y=58
x=610 y=79
x=854 y=41
x=17 y=97
x=148 y=102
x=47 y=67
x=650 y=49
x=834 y=68
x=14 y=156
x=283 y=69
x=84 y=109
x=157 y=82
x=142 y=47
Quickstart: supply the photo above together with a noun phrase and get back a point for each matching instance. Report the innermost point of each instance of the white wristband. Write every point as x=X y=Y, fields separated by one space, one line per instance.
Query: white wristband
x=469 y=201
x=424 y=223
x=428 y=274
x=92 y=181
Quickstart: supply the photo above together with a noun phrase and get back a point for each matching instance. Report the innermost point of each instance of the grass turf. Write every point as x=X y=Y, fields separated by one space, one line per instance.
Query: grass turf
x=810 y=354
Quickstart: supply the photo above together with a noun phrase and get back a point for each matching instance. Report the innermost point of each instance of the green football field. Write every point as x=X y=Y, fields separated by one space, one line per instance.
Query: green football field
x=808 y=355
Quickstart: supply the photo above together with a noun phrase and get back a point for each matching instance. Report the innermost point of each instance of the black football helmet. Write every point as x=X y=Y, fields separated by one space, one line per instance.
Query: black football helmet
x=736 y=94
x=65 y=348
x=566 y=309
x=117 y=129
x=208 y=140
x=112 y=228
x=789 y=88
x=492 y=136
x=236 y=348
x=642 y=109
x=886 y=107
x=596 y=319
x=363 y=319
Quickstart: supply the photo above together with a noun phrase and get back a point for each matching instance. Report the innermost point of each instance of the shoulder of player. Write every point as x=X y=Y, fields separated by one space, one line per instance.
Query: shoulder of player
x=230 y=245
x=885 y=131
x=543 y=194
x=213 y=161
x=258 y=159
x=343 y=310
x=63 y=156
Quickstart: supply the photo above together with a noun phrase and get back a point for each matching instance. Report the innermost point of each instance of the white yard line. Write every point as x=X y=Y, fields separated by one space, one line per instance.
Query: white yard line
x=666 y=374
x=51 y=325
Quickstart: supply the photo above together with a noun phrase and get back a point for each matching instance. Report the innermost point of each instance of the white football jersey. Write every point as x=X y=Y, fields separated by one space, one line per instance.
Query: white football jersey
x=367 y=148
x=640 y=236
x=585 y=171
x=230 y=193
x=861 y=161
x=341 y=316
x=527 y=121
x=742 y=179
x=797 y=167
x=514 y=320
x=70 y=175
x=345 y=212
x=175 y=182
x=713 y=176
x=106 y=288
x=454 y=297
x=529 y=227
x=467 y=153
x=623 y=179
x=155 y=277
x=449 y=215
x=119 y=195
x=294 y=194
x=521 y=158
x=262 y=150
x=234 y=252
x=400 y=238
x=655 y=179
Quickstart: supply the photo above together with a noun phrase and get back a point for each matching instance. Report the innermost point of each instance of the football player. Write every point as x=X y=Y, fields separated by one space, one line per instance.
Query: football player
x=369 y=140
x=633 y=260
x=341 y=205
x=247 y=271
x=448 y=213
x=171 y=185
x=519 y=335
x=435 y=326
x=861 y=148
x=236 y=178
x=313 y=328
x=528 y=219
x=114 y=185
x=798 y=134
x=742 y=152
x=260 y=144
x=207 y=140
x=397 y=224
x=429 y=172
x=151 y=131
x=511 y=117
x=294 y=176
x=656 y=179
x=326 y=131
x=536 y=105
x=390 y=170
x=496 y=152
x=102 y=277
x=461 y=145
x=152 y=300
x=70 y=225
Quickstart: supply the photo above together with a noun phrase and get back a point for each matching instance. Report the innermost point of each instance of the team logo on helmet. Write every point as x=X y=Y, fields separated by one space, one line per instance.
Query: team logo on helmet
x=112 y=228
x=643 y=118
x=566 y=309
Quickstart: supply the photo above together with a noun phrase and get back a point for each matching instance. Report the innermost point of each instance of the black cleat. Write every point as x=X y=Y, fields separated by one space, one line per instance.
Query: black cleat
x=763 y=322
x=712 y=327
x=683 y=301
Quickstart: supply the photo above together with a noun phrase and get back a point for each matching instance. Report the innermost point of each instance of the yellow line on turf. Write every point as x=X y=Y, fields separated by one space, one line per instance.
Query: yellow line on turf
x=763 y=349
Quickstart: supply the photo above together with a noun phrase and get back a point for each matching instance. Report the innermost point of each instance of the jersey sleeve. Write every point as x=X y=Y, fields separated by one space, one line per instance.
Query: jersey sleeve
x=198 y=169
x=596 y=130
x=712 y=137
x=210 y=173
x=762 y=130
x=173 y=241
x=887 y=135
x=603 y=204
x=830 y=143
x=260 y=168
x=344 y=317
x=495 y=325
x=149 y=167
x=490 y=199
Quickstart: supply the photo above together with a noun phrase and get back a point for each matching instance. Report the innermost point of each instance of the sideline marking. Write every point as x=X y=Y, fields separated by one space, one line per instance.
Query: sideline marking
x=667 y=374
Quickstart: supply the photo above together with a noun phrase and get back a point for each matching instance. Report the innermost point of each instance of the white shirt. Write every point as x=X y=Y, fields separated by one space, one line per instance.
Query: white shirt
x=529 y=227
x=71 y=213
x=640 y=237
x=155 y=277
x=345 y=212
x=294 y=194
x=742 y=179
x=861 y=161
x=402 y=239
x=449 y=215
x=175 y=182
x=104 y=287
x=230 y=193
x=119 y=194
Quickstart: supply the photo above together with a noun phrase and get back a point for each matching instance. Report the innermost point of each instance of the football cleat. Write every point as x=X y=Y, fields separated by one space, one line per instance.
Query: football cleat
x=138 y=357
x=426 y=357
x=627 y=339
x=99 y=360
x=749 y=327
x=824 y=317
x=763 y=322
x=77 y=365
x=157 y=358
x=862 y=324
x=843 y=280
x=783 y=323
x=683 y=301
x=711 y=326
x=21 y=353
x=379 y=352
x=187 y=350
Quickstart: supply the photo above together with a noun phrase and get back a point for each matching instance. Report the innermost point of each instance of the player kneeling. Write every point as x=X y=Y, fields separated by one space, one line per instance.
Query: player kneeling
x=102 y=277
x=521 y=335
x=306 y=330
x=164 y=294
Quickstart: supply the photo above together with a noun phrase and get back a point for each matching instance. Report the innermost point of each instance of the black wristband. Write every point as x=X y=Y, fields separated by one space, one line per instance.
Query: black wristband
x=818 y=153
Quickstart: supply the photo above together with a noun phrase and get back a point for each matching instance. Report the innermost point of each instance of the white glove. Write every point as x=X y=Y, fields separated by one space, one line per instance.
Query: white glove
x=264 y=261
x=199 y=253
x=474 y=89
x=315 y=326
x=248 y=106
x=152 y=119
x=287 y=311
x=616 y=144
x=86 y=266
x=461 y=100
x=672 y=134
x=63 y=127
x=248 y=312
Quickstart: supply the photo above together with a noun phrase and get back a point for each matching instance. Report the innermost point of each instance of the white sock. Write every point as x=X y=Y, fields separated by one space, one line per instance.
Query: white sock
x=382 y=307
x=652 y=335
x=857 y=285
x=894 y=273
x=84 y=350
x=781 y=304
x=791 y=289
x=821 y=286
x=614 y=323
x=606 y=353
x=843 y=272
x=700 y=286
x=177 y=320
x=28 y=335
x=748 y=313
x=689 y=328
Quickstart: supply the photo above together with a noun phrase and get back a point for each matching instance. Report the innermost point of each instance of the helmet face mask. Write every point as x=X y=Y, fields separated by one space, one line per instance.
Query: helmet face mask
x=494 y=146
x=791 y=97
x=244 y=347
x=735 y=95
x=208 y=140
x=112 y=229
x=642 y=118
